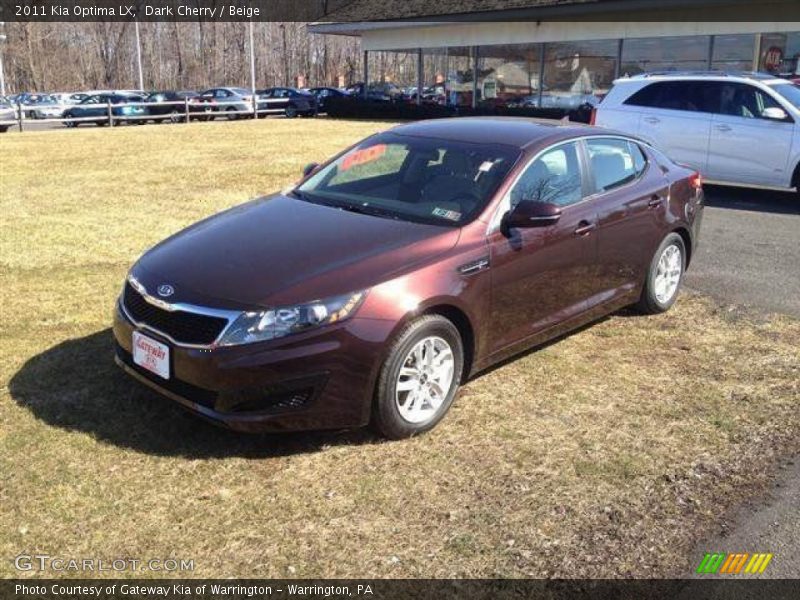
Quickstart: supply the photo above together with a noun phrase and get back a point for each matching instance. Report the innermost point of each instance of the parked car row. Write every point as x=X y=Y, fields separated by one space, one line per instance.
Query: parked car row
x=175 y=106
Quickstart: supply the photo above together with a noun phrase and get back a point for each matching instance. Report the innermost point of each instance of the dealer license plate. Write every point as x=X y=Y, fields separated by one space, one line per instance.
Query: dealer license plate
x=151 y=355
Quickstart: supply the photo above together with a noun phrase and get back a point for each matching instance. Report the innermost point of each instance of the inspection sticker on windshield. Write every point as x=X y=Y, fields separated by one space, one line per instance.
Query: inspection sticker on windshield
x=151 y=355
x=447 y=214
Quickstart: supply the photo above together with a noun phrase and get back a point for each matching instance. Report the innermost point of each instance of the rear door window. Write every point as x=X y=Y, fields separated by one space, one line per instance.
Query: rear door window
x=693 y=96
x=614 y=162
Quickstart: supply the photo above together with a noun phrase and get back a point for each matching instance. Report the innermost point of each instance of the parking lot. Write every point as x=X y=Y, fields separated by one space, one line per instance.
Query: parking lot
x=749 y=252
x=584 y=458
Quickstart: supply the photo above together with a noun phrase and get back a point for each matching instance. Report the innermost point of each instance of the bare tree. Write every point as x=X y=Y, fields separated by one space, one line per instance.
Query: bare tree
x=77 y=56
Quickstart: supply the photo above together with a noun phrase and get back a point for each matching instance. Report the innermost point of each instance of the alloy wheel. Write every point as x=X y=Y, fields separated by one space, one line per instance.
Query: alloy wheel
x=668 y=273
x=425 y=379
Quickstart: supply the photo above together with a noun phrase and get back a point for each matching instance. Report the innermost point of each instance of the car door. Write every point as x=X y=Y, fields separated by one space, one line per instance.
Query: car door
x=630 y=194
x=541 y=275
x=674 y=118
x=281 y=99
x=745 y=146
x=97 y=106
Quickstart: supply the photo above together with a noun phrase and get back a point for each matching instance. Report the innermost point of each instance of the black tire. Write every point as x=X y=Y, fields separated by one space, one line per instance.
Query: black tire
x=291 y=112
x=386 y=417
x=3 y=128
x=649 y=303
x=229 y=116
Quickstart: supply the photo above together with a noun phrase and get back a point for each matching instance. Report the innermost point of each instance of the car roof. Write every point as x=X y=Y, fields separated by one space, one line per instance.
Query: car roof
x=701 y=75
x=519 y=132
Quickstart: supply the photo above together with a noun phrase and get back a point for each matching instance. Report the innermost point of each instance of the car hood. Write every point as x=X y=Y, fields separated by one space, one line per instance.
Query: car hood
x=280 y=250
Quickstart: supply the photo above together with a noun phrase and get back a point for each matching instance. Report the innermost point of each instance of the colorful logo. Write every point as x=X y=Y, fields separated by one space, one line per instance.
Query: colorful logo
x=734 y=564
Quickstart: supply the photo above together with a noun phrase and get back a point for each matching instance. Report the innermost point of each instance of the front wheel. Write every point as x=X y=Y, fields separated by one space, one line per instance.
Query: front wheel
x=664 y=277
x=291 y=112
x=419 y=378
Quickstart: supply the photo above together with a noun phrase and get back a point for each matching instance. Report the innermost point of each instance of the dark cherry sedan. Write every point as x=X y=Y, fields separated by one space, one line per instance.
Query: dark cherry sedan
x=372 y=289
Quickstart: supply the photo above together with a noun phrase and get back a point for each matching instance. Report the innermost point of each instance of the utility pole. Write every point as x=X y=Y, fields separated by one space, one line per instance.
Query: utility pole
x=253 y=70
x=139 y=54
x=2 y=69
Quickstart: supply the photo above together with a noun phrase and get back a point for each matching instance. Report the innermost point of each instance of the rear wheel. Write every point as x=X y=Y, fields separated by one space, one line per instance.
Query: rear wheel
x=231 y=113
x=419 y=379
x=175 y=116
x=291 y=112
x=664 y=277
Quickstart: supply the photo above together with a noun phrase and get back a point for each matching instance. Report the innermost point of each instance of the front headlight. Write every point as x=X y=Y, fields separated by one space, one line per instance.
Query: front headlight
x=278 y=322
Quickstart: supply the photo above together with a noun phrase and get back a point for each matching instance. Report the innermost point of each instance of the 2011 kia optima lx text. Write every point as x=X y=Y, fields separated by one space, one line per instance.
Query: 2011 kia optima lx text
x=372 y=289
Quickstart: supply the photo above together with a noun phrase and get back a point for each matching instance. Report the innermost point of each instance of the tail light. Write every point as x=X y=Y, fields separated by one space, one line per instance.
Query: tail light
x=696 y=181
x=593 y=116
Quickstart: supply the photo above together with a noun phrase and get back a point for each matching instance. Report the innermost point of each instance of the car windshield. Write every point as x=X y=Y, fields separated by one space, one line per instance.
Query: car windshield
x=426 y=180
x=789 y=91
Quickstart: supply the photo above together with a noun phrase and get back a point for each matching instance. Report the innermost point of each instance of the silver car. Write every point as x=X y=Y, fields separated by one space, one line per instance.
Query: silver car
x=735 y=128
x=231 y=101
x=8 y=114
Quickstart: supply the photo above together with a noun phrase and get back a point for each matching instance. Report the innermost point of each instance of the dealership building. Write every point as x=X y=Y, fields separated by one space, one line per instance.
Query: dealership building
x=558 y=53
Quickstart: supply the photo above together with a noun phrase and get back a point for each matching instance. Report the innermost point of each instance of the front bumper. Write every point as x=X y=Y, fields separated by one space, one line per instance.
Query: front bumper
x=318 y=380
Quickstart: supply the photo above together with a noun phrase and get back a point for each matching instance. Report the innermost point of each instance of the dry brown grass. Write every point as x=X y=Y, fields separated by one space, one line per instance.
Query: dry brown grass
x=604 y=454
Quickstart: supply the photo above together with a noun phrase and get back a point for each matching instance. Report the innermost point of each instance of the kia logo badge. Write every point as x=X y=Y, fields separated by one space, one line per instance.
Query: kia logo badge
x=165 y=290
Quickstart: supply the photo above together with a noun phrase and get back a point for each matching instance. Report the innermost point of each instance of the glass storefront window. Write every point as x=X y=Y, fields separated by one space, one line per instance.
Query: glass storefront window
x=508 y=75
x=733 y=52
x=577 y=73
x=434 y=75
x=460 y=76
x=392 y=73
x=779 y=53
x=643 y=55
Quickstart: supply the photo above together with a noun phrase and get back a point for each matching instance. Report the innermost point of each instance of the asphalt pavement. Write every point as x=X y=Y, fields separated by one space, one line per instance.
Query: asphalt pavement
x=749 y=254
x=749 y=251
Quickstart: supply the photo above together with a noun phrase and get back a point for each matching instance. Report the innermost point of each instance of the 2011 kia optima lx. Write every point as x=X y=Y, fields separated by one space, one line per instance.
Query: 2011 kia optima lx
x=370 y=290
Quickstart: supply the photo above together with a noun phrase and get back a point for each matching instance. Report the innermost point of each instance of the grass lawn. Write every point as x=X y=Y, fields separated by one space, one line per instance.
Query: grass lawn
x=607 y=453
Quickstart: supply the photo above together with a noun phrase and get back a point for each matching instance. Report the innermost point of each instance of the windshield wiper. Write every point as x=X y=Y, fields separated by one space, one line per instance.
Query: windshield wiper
x=366 y=210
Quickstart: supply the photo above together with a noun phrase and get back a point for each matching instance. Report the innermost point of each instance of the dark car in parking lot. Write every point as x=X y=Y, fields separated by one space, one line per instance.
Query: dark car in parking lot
x=169 y=103
x=376 y=92
x=324 y=94
x=94 y=109
x=290 y=101
x=370 y=290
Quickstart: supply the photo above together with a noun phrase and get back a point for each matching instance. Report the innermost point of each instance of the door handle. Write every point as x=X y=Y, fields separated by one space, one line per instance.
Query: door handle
x=655 y=201
x=652 y=120
x=584 y=227
x=722 y=127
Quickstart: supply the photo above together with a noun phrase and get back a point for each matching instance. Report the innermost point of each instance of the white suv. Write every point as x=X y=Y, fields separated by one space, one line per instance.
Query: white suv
x=740 y=129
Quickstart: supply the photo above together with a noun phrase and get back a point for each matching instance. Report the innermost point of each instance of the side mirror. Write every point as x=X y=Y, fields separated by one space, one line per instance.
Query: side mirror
x=774 y=113
x=530 y=214
x=309 y=169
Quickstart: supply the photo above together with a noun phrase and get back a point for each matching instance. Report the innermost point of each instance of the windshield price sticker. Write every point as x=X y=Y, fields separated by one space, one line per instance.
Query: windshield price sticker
x=360 y=157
